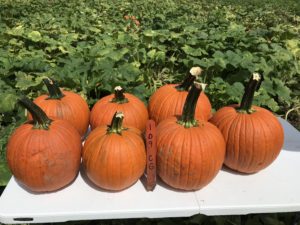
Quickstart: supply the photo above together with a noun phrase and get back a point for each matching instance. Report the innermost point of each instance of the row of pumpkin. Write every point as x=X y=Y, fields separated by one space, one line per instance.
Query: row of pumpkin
x=45 y=153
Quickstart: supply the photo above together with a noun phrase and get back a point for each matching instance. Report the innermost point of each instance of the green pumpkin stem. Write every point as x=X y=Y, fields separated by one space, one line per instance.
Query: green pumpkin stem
x=53 y=89
x=187 y=118
x=119 y=96
x=252 y=86
x=189 y=79
x=40 y=119
x=116 y=123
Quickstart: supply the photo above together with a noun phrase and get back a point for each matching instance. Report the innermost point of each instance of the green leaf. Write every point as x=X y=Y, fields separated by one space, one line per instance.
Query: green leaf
x=94 y=30
x=150 y=33
x=123 y=38
x=129 y=72
x=174 y=35
x=233 y=58
x=263 y=66
x=235 y=91
x=5 y=173
x=35 y=36
x=247 y=61
x=105 y=65
x=8 y=102
x=160 y=56
x=193 y=51
x=117 y=55
x=62 y=49
x=282 y=91
x=188 y=50
x=25 y=81
x=16 y=31
x=15 y=42
x=221 y=62
x=282 y=56
x=267 y=85
x=204 y=62
x=263 y=47
x=262 y=98
x=103 y=52
x=219 y=59
x=293 y=45
x=141 y=92
x=151 y=53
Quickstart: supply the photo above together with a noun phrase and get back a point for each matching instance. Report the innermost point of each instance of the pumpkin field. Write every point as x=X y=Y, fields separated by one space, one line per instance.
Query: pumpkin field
x=95 y=48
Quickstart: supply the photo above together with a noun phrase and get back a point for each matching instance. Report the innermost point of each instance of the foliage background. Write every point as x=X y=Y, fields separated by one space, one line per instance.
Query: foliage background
x=89 y=48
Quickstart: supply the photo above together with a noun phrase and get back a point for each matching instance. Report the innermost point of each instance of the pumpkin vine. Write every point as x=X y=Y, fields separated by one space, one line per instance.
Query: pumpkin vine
x=187 y=118
x=189 y=79
x=252 y=86
x=116 y=123
x=40 y=119
x=119 y=96
x=53 y=89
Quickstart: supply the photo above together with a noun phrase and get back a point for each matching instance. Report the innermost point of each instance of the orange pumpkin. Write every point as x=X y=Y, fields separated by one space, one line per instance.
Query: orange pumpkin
x=190 y=152
x=114 y=157
x=44 y=154
x=135 y=112
x=133 y=19
x=253 y=135
x=64 y=105
x=169 y=99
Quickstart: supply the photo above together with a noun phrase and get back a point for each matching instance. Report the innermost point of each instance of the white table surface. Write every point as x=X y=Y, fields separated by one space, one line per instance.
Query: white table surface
x=275 y=189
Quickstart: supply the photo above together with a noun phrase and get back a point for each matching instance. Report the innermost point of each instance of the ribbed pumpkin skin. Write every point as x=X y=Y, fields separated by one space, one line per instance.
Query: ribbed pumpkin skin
x=113 y=161
x=189 y=158
x=44 y=160
x=135 y=112
x=72 y=107
x=253 y=141
x=167 y=101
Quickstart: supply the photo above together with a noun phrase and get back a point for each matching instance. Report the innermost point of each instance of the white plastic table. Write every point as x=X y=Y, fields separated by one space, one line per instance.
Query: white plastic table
x=275 y=189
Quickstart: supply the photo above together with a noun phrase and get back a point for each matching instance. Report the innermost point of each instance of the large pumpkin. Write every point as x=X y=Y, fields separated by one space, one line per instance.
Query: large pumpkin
x=114 y=157
x=253 y=135
x=190 y=152
x=64 y=105
x=135 y=112
x=44 y=154
x=169 y=99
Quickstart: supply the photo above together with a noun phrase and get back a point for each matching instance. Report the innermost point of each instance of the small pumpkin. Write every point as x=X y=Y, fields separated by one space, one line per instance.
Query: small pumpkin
x=135 y=112
x=44 y=154
x=113 y=156
x=133 y=19
x=64 y=105
x=169 y=99
x=190 y=151
x=253 y=135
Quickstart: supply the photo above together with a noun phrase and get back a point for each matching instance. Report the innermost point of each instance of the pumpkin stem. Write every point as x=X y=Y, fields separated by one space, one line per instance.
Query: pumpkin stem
x=119 y=96
x=116 y=123
x=187 y=118
x=252 y=86
x=40 y=119
x=189 y=79
x=53 y=89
